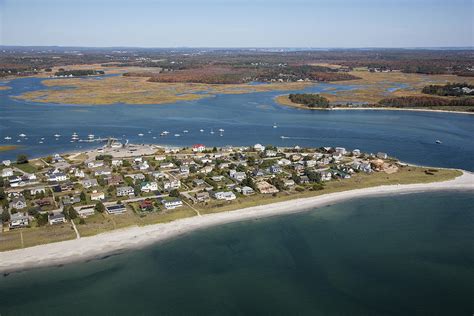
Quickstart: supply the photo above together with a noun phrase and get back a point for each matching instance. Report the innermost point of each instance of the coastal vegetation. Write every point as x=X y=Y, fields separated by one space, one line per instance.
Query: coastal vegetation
x=310 y=100
x=428 y=102
x=450 y=89
x=78 y=72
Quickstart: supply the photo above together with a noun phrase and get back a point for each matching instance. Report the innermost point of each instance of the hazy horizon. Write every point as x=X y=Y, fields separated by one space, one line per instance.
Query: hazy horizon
x=237 y=23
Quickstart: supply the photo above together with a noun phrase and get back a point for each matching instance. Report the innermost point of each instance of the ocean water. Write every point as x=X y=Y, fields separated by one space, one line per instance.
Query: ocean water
x=246 y=118
x=395 y=255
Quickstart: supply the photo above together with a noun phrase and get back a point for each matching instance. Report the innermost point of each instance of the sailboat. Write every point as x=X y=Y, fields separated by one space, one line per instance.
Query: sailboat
x=275 y=125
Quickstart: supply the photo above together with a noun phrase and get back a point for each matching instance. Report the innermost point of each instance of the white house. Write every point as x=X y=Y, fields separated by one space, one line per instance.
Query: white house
x=56 y=218
x=238 y=176
x=6 y=163
x=117 y=162
x=382 y=155
x=172 y=204
x=149 y=186
x=259 y=147
x=97 y=196
x=125 y=191
x=7 y=172
x=37 y=190
x=199 y=148
x=172 y=184
x=89 y=183
x=18 y=220
x=356 y=152
x=221 y=195
x=340 y=150
x=78 y=173
x=95 y=164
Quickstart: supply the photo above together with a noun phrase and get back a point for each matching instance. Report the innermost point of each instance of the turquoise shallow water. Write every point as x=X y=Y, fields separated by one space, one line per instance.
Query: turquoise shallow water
x=395 y=255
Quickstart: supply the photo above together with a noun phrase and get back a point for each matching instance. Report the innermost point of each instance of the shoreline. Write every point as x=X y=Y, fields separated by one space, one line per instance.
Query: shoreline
x=365 y=108
x=135 y=237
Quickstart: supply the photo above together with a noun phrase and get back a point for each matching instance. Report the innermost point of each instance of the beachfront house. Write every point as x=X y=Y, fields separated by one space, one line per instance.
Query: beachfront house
x=199 y=148
x=18 y=220
x=247 y=190
x=202 y=196
x=148 y=187
x=56 y=218
x=7 y=172
x=266 y=188
x=115 y=209
x=172 y=204
x=221 y=195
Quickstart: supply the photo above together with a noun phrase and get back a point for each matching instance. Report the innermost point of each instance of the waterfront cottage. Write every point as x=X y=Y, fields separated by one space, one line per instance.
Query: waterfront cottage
x=18 y=220
x=97 y=196
x=172 y=204
x=115 y=209
x=199 y=148
x=56 y=218
x=7 y=172
x=266 y=188
x=202 y=196
x=221 y=195
x=247 y=190
x=148 y=186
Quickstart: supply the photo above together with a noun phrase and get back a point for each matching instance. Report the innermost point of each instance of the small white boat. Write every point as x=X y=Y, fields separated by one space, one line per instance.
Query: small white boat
x=8 y=138
x=18 y=141
x=40 y=142
x=185 y=131
x=140 y=134
x=154 y=137
x=149 y=132
x=212 y=131
x=201 y=130
x=22 y=135
x=438 y=141
x=57 y=135
x=275 y=125
x=221 y=130
x=284 y=137
x=91 y=136
x=177 y=135
x=42 y=138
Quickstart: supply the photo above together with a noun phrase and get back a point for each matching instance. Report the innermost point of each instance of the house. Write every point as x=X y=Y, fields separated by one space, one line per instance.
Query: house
x=86 y=211
x=37 y=190
x=198 y=182
x=95 y=164
x=304 y=179
x=340 y=150
x=78 y=173
x=259 y=147
x=7 y=172
x=146 y=205
x=167 y=165
x=221 y=195
x=148 y=186
x=325 y=175
x=184 y=170
x=266 y=188
x=103 y=172
x=136 y=176
x=258 y=173
x=247 y=190
x=236 y=175
x=114 y=180
x=43 y=202
x=125 y=191
x=284 y=162
x=310 y=163
x=172 y=204
x=6 y=163
x=89 y=183
x=158 y=175
x=217 y=178
x=275 y=169
x=143 y=166
x=117 y=162
x=270 y=153
x=97 y=196
x=356 y=152
x=56 y=218
x=18 y=203
x=115 y=209
x=206 y=169
x=289 y=183
x=70 y=200
x=160 y=158
x=202 y=196
x=138 y=160
x=18 y=220
x=199 y=148
x=382 y=155
x=56 y=177
x=171 y=185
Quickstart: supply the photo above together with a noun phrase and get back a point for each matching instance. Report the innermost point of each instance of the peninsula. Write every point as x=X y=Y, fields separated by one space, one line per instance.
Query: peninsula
x=144 y=193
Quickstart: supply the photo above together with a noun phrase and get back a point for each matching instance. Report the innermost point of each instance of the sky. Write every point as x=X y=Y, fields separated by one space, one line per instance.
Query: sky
x=237 y=23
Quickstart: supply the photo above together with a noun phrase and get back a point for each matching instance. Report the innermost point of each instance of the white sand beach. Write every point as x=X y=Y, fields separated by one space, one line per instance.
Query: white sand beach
x=135 y=237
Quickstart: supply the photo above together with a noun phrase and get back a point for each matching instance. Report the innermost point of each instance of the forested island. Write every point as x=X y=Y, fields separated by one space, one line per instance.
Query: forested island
x=310 y=100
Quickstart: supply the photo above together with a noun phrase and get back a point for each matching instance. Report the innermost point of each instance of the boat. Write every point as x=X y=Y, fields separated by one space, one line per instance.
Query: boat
x=212 y=131
x=18 y=141
x=40 y=142
x=221 y=130
x=8 y=138
x=140 y=134
x=438 y=141
x=91 y=136
x=275 y=125
x=42 y=138
x=185 y=131
x=201 y=130
x=154 y=137
x=22 y=135
x=284 y=137
x=177 y=135
x=57 y=135
x=149 y=132
x=116 y=145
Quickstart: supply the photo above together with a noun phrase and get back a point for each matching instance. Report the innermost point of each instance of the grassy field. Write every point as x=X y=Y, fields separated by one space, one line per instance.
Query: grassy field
x=100 y=223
